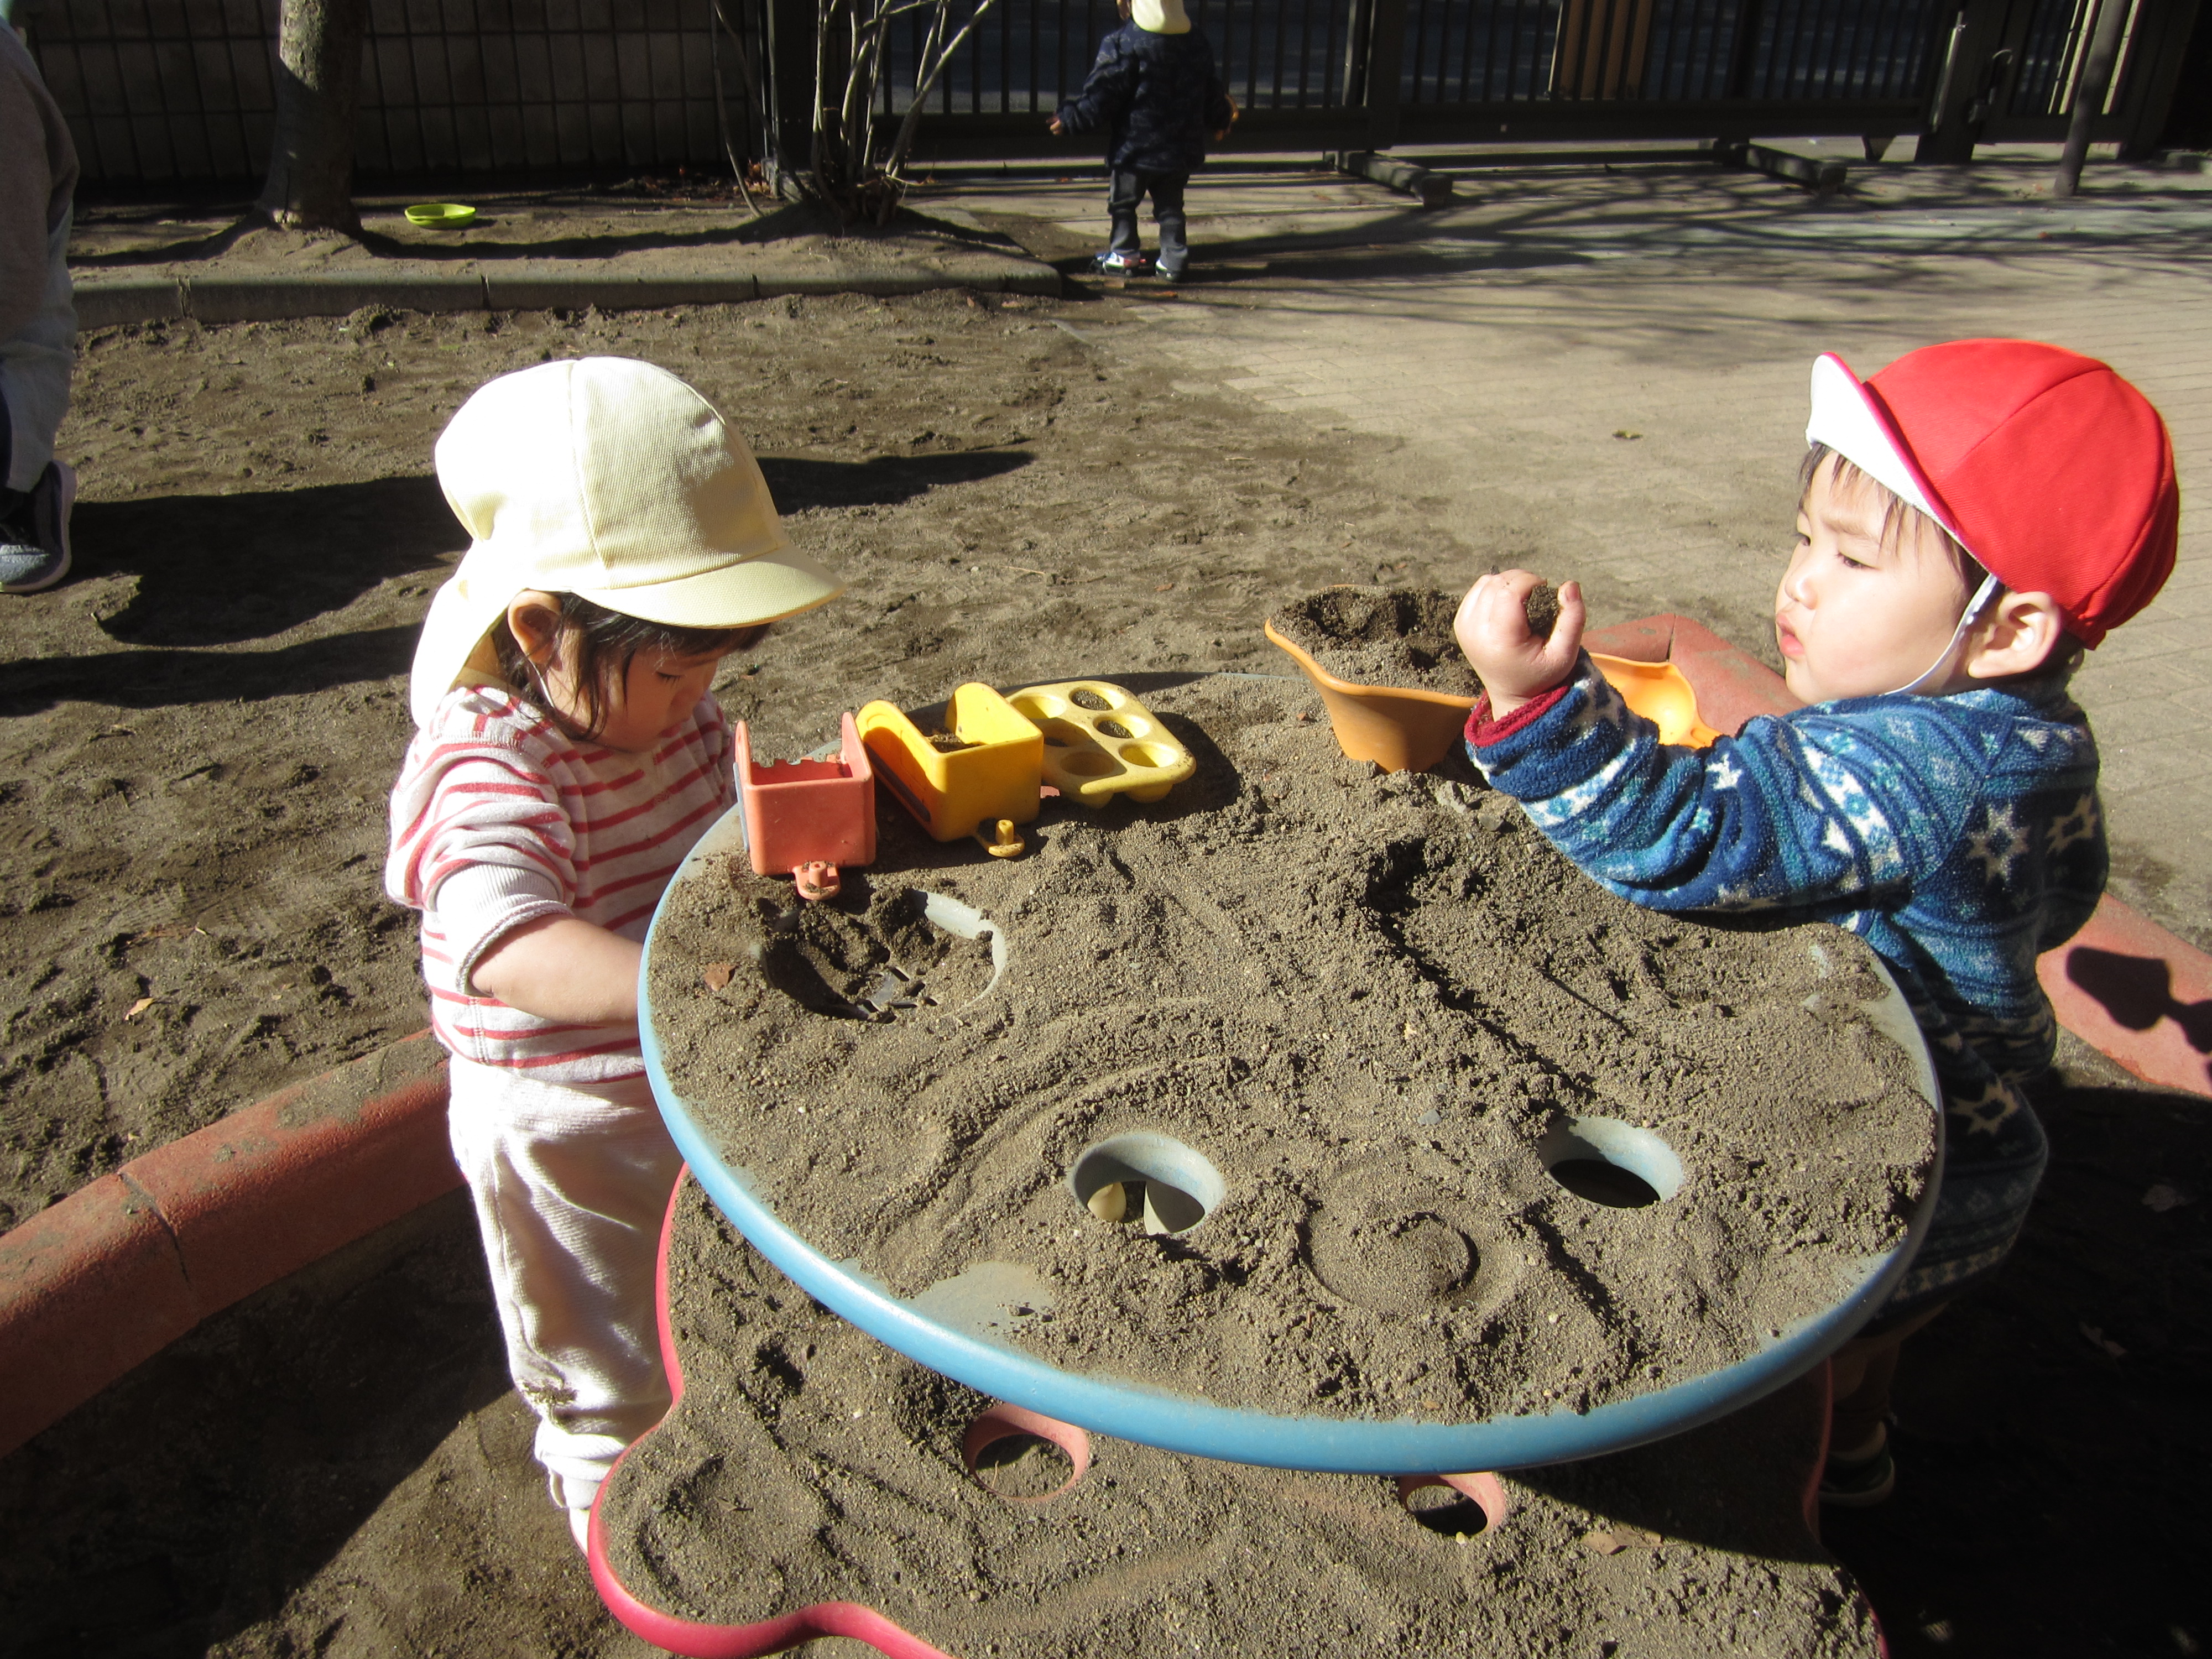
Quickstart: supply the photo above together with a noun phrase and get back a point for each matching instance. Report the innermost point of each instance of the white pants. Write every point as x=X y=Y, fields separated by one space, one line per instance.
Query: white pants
x=571 y=1186
x=35 y=367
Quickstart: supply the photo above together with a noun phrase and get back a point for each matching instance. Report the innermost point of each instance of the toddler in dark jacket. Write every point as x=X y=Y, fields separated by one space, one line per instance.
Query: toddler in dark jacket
x=1155 y=90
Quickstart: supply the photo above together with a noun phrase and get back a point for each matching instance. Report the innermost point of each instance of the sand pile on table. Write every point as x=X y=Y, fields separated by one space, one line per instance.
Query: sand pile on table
x=808 y=1463
x=1377 y=1006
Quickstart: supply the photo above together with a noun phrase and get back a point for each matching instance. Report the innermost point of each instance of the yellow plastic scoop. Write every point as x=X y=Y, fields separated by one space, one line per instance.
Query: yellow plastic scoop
x=1658 y=691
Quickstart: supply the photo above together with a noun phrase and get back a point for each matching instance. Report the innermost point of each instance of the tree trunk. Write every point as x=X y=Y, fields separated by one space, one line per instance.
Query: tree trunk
x=310 y=183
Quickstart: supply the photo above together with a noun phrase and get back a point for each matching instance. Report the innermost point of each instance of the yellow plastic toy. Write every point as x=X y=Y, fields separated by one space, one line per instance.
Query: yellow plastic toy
x=441 y=216
x=990 y=767
x=1100 y=742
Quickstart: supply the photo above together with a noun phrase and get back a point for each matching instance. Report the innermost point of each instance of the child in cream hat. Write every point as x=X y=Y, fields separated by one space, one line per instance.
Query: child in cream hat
x=1155 y=90
x=569 y=755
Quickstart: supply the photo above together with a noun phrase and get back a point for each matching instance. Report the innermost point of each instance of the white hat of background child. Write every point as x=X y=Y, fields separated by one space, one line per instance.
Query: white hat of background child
x=611 y=479
x=1160 y=16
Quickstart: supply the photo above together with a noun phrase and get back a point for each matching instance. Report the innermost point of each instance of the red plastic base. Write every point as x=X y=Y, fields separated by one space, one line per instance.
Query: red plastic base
x=688 y=1637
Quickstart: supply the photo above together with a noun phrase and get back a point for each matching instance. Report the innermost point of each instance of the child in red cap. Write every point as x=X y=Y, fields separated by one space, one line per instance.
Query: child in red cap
x=1974 y=518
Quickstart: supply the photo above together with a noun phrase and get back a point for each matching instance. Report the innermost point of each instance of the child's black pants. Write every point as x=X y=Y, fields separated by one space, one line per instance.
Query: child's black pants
x=1127 y=190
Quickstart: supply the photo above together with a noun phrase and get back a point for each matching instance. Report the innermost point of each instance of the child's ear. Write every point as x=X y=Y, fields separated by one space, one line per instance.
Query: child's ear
x=2019 y=637
x=534 y=619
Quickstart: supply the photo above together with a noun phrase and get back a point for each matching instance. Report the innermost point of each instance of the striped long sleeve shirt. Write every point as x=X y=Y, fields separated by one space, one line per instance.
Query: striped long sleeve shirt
x=499 y=818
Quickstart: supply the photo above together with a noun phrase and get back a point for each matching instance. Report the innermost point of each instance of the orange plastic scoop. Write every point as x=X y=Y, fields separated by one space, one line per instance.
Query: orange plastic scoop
x=1404 y=730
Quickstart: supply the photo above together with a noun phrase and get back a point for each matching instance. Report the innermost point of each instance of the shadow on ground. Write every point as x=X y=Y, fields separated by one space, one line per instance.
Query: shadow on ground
x=220 y=569
x=2051 y=1437
x=193 y=1499
x=798 y=483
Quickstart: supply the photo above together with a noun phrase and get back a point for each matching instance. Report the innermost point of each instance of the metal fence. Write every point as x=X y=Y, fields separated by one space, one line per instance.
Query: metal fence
x=177 y=89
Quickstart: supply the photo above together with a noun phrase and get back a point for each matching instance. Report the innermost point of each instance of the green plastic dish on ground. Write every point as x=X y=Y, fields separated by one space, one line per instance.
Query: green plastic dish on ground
x=440 y=216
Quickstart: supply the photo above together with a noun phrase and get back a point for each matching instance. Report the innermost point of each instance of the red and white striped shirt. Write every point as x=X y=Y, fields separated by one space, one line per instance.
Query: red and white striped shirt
x=498 y=817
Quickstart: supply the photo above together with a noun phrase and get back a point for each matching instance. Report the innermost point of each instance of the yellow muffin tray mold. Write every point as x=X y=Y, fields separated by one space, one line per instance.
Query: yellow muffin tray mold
x=990 y=768
x=1100 y=742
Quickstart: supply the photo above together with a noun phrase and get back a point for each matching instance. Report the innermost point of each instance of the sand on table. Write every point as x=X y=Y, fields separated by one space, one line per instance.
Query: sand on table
x=1383 y=1012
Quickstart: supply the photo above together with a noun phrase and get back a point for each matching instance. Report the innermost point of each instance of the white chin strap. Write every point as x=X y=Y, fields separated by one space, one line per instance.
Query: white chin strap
x=1977 y=608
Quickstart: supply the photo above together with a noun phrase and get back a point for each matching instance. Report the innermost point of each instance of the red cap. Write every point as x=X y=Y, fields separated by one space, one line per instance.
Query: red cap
x=2048 y=467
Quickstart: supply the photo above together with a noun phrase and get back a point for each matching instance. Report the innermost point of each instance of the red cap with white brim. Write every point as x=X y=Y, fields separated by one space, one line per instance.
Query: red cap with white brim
x=2044 y=465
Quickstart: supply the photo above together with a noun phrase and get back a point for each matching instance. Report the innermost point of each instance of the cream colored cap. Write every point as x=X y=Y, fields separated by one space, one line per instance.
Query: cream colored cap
x=611 y=479
x=1160 y=16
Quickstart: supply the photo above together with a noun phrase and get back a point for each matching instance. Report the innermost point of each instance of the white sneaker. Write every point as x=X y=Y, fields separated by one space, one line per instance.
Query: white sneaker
x=35 y=532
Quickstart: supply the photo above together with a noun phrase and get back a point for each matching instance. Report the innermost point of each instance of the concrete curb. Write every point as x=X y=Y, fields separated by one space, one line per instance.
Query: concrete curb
x=2124 y=985
x=1407 y=178
x=120 y=1268
x=530 y=285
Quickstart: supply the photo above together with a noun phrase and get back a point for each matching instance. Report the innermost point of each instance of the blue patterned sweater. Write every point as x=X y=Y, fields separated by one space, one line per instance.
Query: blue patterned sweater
x=1960 y=836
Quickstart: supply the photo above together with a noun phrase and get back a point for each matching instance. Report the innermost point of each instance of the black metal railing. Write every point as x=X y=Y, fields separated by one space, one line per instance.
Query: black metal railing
x=158 y=89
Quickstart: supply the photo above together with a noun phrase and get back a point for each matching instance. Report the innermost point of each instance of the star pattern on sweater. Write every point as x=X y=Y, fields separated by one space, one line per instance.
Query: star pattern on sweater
x=1725 y=774
x=1998 y=844
x=1984 y=1112
x=1601 y=705
x=2079 y=825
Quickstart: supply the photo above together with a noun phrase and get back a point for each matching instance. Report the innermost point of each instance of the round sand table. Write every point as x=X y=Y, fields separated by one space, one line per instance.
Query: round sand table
x=1307 y=1118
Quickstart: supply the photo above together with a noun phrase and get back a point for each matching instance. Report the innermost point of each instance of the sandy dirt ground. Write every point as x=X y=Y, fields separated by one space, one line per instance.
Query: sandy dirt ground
x=200 y=727
x=195 y=735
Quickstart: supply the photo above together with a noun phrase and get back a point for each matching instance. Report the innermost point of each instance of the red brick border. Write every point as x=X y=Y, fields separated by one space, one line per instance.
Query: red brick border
x=119 y=1269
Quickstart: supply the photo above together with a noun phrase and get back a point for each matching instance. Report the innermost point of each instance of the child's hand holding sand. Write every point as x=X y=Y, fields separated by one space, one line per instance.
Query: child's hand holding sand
x=1515 y=661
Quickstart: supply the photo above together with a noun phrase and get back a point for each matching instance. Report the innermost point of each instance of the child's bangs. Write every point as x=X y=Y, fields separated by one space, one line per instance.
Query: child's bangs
x=1897 y=513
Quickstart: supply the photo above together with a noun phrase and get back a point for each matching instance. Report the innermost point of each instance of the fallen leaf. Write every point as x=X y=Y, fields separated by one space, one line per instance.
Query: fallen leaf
x=139 y=1007
x=2162 y=1198
x=1613 y=1540
x=1624 y=432
x=1164 y=588
x=2105 y=1342
x=717 y=974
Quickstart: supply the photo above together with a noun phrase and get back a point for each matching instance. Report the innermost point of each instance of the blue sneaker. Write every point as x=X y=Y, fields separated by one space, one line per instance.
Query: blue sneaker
x=35 y=532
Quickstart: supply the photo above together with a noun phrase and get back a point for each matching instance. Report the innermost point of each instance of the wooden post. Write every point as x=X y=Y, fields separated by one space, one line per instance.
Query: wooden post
x=1967 y=69
x=2089 y=92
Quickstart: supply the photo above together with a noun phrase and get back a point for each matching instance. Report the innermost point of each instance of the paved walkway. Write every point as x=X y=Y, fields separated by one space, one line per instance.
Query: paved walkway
x=1600 y=367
